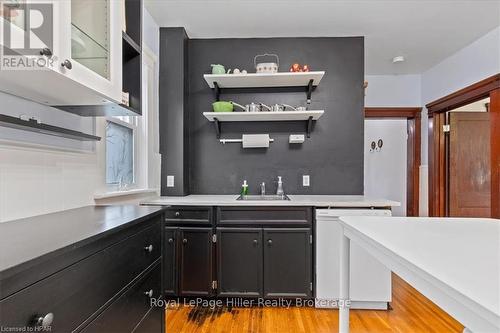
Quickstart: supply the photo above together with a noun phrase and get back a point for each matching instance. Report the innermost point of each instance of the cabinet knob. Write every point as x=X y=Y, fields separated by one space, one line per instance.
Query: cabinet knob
x=170 y=240
x=255 y=241
x=46 y=52
x=177 y=214
x=270 y=242
x=67 y=64
x=149 y=293
x=184 y=240
x=45 y=321
x=148 y=248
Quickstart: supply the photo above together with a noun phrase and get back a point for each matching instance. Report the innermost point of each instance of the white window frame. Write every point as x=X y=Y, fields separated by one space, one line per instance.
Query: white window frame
x=147 y=158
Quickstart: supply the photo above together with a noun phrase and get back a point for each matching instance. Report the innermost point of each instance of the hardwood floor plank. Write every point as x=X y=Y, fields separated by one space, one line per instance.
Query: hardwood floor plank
x=411 y=312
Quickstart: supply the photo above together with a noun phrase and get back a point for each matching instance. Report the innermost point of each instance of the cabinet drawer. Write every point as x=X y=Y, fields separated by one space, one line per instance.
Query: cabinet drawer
x=189 y=215
x=262 y=216
x=128 y=310
x=76 y=292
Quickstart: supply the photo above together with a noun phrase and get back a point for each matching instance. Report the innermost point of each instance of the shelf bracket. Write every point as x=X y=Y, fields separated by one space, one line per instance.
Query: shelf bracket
x=309 y=126
x=217 y=127
x=217 y=91
x=309 y=91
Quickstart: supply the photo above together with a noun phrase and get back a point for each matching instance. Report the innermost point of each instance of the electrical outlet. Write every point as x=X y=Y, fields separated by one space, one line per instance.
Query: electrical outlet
x=170 y=181
x=305 y=180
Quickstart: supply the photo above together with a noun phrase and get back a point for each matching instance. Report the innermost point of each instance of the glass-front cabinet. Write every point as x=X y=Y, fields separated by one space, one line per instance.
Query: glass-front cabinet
x=92 y=35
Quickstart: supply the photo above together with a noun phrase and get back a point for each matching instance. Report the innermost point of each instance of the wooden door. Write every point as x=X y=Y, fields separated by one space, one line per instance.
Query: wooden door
x=287 y=262
x=195 y=262
x=470 y=167
x=239 y=262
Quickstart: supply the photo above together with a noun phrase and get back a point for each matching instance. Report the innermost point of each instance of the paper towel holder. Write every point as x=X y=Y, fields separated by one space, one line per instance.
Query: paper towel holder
x=251 y=140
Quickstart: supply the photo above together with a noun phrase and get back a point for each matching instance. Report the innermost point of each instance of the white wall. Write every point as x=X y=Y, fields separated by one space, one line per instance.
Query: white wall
x=393 y=90
x=385 y=169
x=40 y=180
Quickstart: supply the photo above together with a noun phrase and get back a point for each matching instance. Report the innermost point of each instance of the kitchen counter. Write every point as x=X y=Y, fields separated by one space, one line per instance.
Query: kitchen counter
x=31 y=241
x=296 y=200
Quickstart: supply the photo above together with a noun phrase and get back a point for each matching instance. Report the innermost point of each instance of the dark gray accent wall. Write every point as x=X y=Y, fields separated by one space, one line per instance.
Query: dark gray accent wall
x=173 y=110
x=333 y=156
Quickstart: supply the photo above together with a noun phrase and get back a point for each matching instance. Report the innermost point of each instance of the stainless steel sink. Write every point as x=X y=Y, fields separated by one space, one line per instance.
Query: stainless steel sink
x=263 y=197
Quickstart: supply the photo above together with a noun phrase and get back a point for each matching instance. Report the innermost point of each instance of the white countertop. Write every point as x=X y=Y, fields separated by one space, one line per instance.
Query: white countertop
x=461 y=254
x=296 y=200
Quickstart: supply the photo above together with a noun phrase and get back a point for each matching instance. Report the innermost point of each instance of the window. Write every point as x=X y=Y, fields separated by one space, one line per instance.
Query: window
x=120 y=150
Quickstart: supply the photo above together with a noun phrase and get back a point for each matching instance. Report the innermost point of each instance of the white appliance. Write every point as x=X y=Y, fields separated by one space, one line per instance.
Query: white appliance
x=370 y=281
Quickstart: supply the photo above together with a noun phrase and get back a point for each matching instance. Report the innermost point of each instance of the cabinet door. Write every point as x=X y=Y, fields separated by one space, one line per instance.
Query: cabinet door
x=239 y=260
x=170 y=261
x=287 y=262
x=195 y=261
x=91 y=40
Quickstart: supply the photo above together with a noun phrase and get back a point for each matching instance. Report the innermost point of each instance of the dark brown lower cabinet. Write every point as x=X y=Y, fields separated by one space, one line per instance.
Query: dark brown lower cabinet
x=258 y=252
x=195 y=278
x=239 y=262
x=170 y=261
x=268 y=262
x=129 y=309
x=188 y=261
x=287 y=262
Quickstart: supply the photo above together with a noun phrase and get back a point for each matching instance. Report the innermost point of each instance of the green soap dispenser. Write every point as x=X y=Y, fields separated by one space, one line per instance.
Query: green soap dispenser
x=244 y=188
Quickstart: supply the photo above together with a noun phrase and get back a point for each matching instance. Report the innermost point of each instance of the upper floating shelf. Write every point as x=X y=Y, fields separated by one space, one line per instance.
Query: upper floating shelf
x=258 y=80
x=264 y=116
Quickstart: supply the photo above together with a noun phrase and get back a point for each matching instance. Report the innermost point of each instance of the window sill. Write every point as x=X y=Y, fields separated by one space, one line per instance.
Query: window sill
x=115 y=194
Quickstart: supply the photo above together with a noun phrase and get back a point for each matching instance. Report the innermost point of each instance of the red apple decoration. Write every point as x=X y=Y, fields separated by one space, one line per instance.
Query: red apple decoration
x=305 y=68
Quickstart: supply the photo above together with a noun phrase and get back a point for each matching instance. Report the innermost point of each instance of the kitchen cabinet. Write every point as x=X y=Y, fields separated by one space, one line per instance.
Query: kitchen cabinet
x=103 y=282
x=256 y=252
x=87 y=60
x=195 y=261
x=91 y=43
x=287 y=262
x=188 y=252
x=170 y=261
x=264 y=252
x=239 y=262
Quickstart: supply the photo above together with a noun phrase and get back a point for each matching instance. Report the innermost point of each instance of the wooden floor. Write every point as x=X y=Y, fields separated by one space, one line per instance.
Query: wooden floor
x=411 y=312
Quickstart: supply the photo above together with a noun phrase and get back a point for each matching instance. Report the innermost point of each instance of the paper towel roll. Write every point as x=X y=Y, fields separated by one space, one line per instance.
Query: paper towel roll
x=255 y=140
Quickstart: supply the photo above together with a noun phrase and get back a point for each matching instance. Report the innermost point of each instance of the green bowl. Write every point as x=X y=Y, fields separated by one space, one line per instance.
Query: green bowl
x=222 y=106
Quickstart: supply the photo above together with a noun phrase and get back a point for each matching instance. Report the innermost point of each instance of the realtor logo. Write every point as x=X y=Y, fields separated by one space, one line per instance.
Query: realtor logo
x=27 y=35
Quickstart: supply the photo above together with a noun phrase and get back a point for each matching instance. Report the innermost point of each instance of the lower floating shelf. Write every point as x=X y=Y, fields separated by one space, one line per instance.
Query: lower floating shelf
x=264 y=116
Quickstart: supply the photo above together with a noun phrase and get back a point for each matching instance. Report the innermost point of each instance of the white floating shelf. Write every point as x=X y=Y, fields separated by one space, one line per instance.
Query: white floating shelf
x=264 y=116
x=254 y=80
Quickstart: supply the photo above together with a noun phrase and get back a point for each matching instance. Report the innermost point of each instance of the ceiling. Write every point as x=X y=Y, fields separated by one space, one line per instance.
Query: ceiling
x=424 y=31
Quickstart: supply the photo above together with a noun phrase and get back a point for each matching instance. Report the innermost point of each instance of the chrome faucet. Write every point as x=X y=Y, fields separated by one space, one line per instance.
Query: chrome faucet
x=263 y=189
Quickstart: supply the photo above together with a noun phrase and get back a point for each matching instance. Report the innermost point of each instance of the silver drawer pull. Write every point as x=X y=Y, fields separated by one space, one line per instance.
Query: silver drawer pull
x=149 y=293
x=148 y=248
x=177 y=214
x=170 y=240
x=45 y=321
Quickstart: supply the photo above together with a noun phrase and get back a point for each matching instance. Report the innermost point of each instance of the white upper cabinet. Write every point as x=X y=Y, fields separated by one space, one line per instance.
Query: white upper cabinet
x=75 y=47
x=91 y=36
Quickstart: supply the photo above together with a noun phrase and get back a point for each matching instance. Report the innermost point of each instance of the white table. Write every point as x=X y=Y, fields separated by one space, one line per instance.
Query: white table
x=455 y=262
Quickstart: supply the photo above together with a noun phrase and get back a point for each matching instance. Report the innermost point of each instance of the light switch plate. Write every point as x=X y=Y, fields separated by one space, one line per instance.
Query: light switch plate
x=170 y=181
x=305 y=180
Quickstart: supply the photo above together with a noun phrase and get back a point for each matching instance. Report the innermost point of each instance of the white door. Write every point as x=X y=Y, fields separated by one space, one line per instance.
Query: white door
x=91 y=39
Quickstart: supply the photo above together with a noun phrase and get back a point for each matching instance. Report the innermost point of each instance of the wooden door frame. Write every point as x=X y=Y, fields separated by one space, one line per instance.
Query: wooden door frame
x=413 y=151
x=436 y=110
